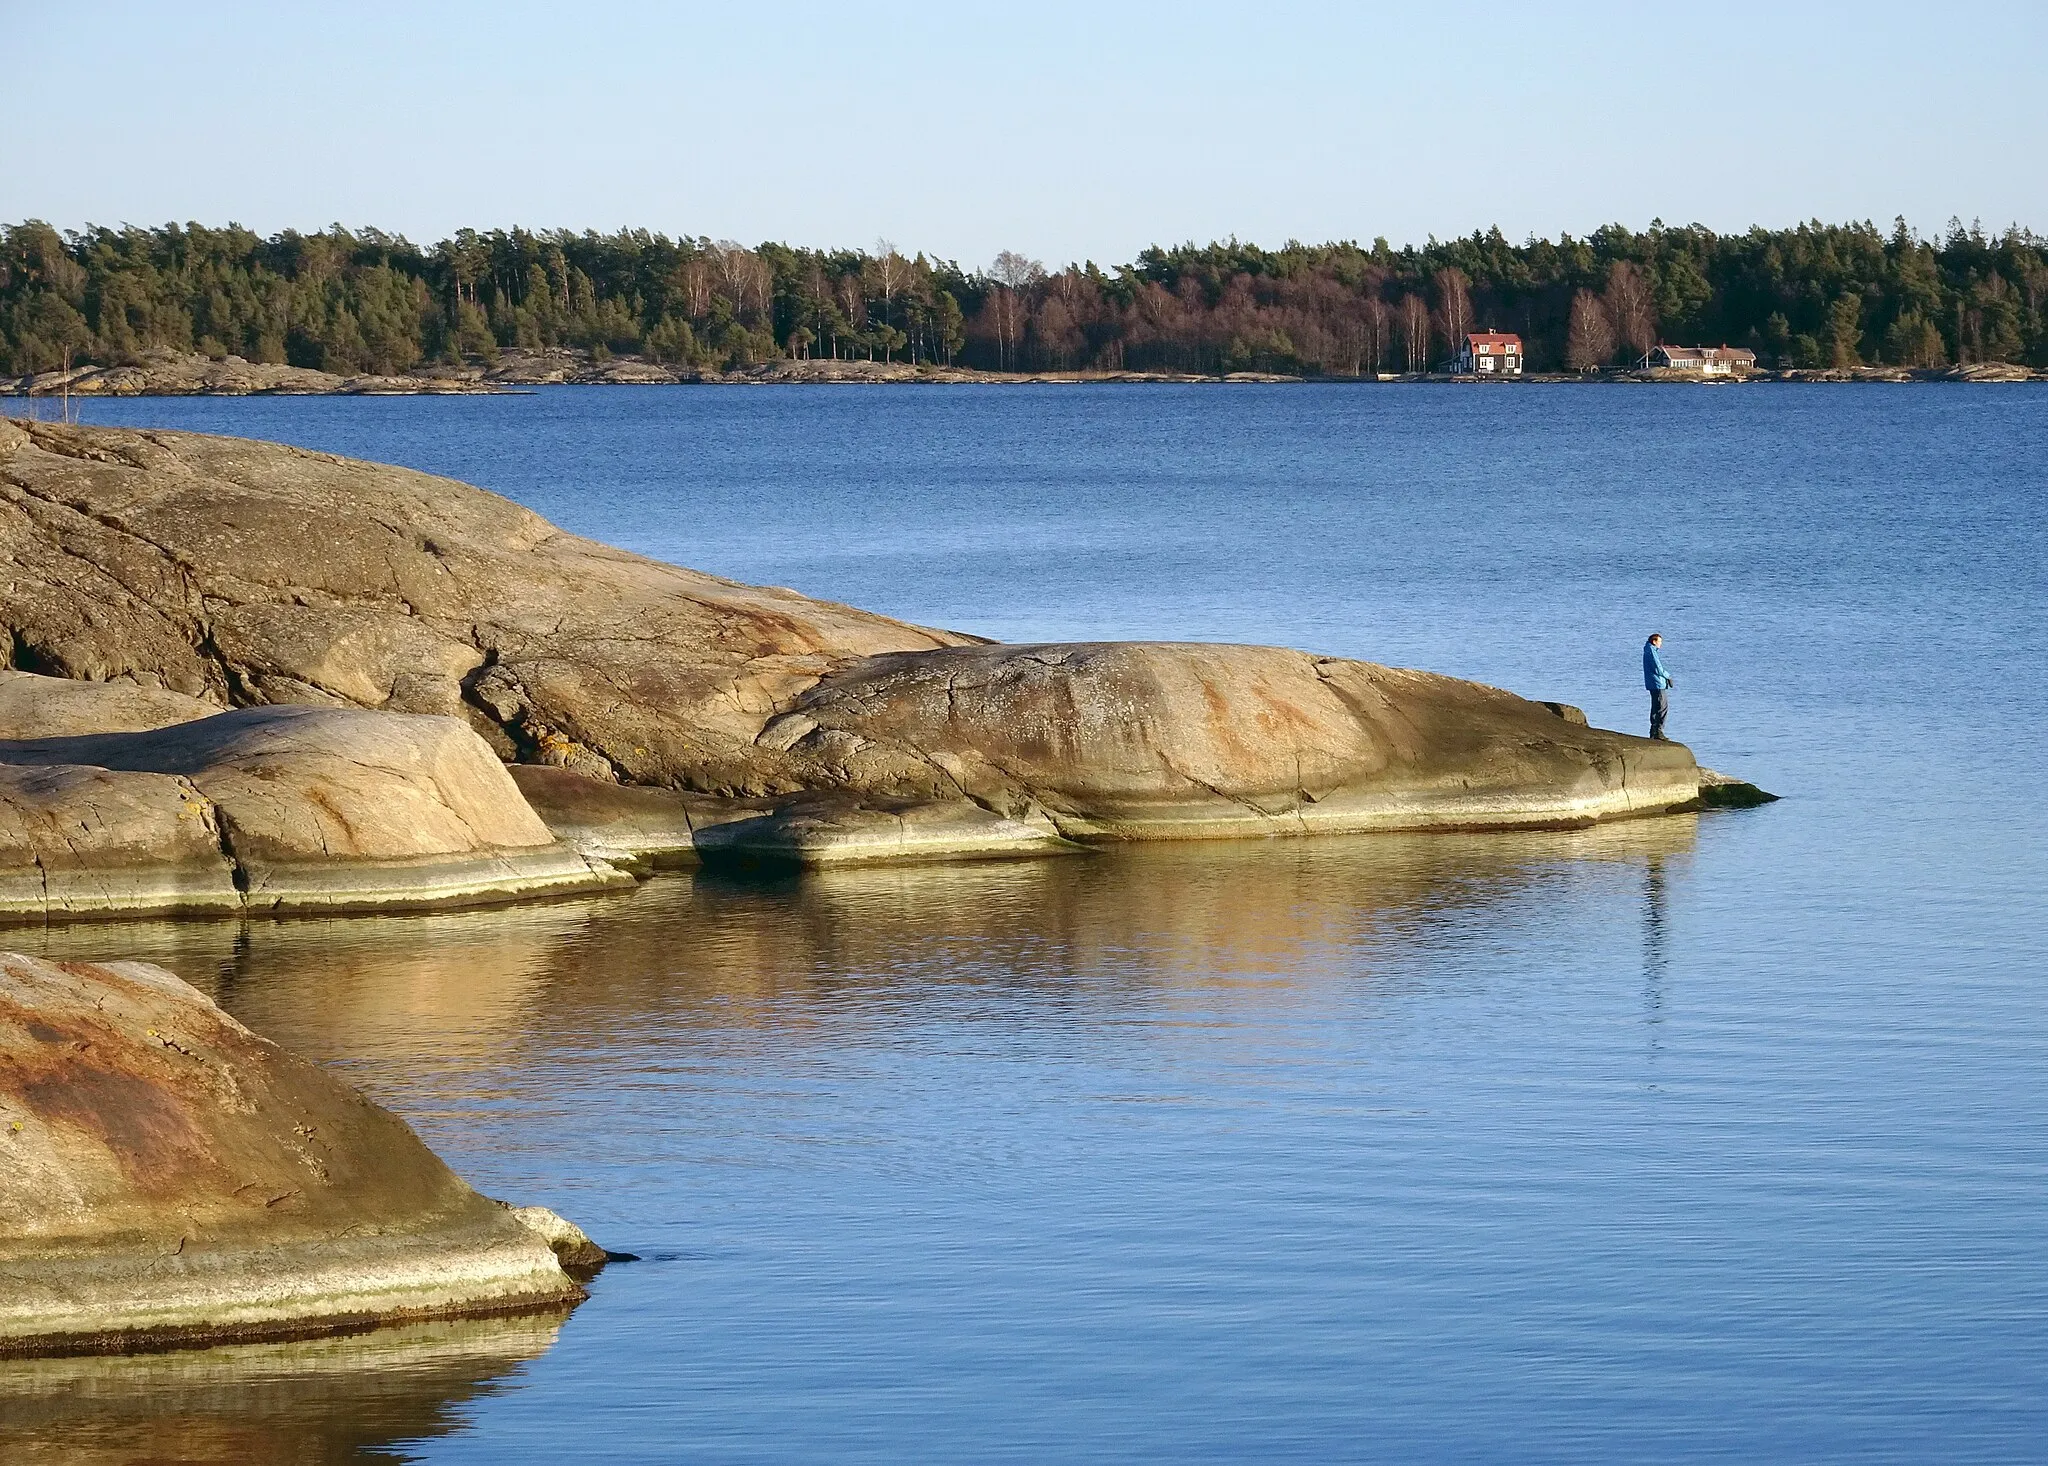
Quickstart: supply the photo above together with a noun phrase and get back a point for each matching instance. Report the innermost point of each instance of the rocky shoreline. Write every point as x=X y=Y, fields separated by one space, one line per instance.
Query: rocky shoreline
x=241 y=677
x=161 y=373
x=307 y=673
x=171 y=806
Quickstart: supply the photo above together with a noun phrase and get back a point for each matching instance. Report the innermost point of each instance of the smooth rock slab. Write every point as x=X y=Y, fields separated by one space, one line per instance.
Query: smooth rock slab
x=1161 y=740
x=245 y=573
x=273 y=808
x=93 y=842
x=1018 y=750
x=59 y=707
x=627 y=823
x=667 y=827
x=169 y=1178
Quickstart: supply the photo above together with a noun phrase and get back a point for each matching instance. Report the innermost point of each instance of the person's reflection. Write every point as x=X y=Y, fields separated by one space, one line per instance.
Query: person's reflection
x=1656 y=942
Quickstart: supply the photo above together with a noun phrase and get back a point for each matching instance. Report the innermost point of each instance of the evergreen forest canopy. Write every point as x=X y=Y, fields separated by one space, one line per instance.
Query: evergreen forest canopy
x=351 y=301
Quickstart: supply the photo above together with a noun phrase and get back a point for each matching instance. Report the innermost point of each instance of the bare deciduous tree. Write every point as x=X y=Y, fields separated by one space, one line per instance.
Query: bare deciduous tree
x=744 y=278
x=1628 y=306
x=1007 y=315
x=1017 y=272
x=890 y=273
x=727 y=259
x=1374 y=319
x=1413 y=317
x=1589 y=338
x=697 y=286
x=1453 y=307
x=853 y=302
x=1015 y=275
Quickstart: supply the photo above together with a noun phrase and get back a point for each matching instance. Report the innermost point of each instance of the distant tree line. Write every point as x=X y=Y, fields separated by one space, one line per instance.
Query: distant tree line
x=1818 y=295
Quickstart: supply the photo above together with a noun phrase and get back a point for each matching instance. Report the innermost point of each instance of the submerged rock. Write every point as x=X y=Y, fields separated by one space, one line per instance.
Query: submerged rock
x=168 y=1178
x=272 y=808
x=1725 y=791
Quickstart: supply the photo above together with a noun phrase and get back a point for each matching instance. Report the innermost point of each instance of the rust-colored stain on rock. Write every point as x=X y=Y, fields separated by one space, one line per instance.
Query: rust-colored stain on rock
x=87 y=1075
x=149 y=1131
x=143 y=1123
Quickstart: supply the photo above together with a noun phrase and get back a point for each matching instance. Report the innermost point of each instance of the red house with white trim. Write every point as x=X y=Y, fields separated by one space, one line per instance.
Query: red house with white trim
x=1490 y=354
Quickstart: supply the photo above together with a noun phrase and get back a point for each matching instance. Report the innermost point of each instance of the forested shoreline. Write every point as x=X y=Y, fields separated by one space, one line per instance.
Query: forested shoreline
x=362 y=301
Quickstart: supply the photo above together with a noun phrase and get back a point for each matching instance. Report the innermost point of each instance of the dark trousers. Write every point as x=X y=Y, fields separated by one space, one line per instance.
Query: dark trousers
x=1660 y=706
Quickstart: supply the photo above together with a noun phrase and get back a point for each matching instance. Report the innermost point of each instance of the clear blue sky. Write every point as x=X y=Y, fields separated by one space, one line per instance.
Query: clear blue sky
x=1064 y=131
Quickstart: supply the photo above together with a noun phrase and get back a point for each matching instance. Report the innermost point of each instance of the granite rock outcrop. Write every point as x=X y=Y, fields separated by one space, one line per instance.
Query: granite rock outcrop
x=247 y=573
x=57 y=707
x=271 y=808
x=170 y=1178
x=1160 y=740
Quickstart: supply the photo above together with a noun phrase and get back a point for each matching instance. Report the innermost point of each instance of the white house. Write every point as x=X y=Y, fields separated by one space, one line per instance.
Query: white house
x=1708 y=361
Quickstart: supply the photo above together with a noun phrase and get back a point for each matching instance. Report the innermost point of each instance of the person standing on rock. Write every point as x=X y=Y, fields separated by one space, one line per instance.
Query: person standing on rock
x=1660 y=684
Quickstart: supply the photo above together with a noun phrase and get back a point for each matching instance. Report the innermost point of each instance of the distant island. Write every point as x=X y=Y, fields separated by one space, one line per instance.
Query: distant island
x=190 y=309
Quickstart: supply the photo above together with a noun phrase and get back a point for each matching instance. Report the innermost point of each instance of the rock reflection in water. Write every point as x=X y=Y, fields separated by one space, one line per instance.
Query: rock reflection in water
x=576 y=1052
x=427 y=1009
x=316 y=1401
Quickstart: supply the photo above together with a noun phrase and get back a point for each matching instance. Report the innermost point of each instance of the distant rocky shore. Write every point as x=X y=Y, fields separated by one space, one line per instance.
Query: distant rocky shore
x=163 y=373
x=160 y=373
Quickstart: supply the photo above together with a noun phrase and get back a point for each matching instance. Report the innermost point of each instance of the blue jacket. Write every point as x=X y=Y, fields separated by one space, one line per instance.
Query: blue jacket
x=1654 y=676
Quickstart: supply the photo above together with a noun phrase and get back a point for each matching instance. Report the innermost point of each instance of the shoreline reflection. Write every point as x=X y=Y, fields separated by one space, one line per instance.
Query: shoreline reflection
x=468 y=991
x=312 y=1401
x=460 y=1019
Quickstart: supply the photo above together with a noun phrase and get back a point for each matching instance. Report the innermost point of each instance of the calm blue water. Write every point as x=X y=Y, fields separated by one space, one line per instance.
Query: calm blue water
x=1711 y=1139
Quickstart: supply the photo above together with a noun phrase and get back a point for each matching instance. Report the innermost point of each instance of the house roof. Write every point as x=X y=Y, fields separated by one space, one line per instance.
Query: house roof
x=1492 y=338
x=1707 y=353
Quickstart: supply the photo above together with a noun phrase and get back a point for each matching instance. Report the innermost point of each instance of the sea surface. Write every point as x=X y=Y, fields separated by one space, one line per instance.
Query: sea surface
x=1708 y=1138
